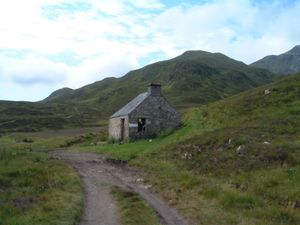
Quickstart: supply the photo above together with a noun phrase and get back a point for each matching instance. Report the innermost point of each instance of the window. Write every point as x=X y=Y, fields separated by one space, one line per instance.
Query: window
x=141 y=124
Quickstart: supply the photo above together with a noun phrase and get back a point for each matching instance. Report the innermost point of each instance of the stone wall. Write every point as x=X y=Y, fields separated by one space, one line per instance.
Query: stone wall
x=114 y=128
x=159 y=116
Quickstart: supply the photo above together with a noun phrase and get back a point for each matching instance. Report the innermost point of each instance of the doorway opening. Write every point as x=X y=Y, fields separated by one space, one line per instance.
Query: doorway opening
x=141 y=124
x=122 y=129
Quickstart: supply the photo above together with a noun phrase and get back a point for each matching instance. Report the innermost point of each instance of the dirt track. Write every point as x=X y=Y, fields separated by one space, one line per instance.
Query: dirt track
x=98 y=176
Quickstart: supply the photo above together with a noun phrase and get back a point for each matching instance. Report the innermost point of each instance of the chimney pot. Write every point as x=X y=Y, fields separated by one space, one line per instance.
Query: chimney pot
x=154 y=89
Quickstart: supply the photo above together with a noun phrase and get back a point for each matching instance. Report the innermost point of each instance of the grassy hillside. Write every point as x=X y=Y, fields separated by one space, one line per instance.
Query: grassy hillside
x=286 y=63
x=194 y=78
x=35 y=189
x=28 y=116
x=235 y=161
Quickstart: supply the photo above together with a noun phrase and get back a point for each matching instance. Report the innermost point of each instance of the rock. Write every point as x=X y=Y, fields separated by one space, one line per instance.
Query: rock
x=148 y=186
x=229 y=141
x=139 y=180
x=240 y=150
x=240 y=186
x=296 y=204
x=187 y=155
x=267 y=91
x=266 y=143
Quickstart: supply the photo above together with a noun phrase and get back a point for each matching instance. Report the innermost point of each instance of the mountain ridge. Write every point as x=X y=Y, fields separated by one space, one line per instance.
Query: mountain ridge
x=191 y=79
x=192 y=62
x=286 y=63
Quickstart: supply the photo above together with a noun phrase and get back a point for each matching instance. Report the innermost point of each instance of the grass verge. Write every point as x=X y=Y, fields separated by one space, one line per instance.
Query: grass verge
x=133 y=209
x=37 y=190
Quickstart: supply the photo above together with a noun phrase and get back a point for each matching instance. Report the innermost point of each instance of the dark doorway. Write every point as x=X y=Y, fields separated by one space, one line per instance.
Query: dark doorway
x=141 y=124
x=122 y=129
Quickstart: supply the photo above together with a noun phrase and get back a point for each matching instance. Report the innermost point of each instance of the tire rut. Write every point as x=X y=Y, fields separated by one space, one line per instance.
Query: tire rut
x=98 y=176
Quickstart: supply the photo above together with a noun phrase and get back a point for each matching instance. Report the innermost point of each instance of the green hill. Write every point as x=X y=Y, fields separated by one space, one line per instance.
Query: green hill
x=234 y=161
x=242 y=154
x=286 y=63
x=58 y=93
x=193 y=78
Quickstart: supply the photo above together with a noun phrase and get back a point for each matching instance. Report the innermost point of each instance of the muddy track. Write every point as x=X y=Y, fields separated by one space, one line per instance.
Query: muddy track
x=99 y=176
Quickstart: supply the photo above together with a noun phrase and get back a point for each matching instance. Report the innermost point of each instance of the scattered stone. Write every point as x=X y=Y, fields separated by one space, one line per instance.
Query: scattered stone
x=150 y=140
x=267 y=91
x=296 y=204
x=266 y=143
x=139 y=180
x=148 y=186
x=187 y=155
x=240 y=149
x=229 y=141
x=240 y=186
x=196 y=148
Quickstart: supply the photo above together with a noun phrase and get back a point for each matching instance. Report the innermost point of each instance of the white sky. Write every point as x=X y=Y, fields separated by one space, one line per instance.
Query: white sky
x=50 y=44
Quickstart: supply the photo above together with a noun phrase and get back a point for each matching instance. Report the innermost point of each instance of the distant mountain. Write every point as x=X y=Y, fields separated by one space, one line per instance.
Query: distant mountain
x=193 y=78
x=286 y=63
x=58 y=93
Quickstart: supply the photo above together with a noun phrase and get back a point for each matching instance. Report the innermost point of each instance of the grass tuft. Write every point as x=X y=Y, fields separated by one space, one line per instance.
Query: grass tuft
x=133 y=209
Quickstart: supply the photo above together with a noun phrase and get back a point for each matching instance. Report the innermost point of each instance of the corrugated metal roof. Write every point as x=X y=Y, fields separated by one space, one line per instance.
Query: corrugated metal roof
x=131 y=105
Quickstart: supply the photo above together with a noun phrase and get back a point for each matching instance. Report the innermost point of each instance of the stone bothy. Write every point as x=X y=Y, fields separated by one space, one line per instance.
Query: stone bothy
x=144 y=116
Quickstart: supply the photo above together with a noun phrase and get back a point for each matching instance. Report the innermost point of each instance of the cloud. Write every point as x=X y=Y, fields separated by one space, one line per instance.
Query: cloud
x=245 y=30
x=72 y=43
x=14 y=91
x=35 y=73
x=147 y=4
x=106 y=65
x=32 y=71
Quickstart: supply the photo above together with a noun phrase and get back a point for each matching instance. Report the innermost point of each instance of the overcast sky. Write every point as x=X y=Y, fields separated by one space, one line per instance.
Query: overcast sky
x=50 y=44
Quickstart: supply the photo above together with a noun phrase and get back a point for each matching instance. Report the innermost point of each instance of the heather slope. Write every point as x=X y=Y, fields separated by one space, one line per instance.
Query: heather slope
x=193 y=78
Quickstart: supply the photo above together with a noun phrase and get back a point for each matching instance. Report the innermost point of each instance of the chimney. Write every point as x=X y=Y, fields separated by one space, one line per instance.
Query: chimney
x=154 y=89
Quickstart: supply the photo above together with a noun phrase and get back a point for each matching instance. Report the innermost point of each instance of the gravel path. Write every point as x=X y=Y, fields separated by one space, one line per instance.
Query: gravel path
x=98 y=176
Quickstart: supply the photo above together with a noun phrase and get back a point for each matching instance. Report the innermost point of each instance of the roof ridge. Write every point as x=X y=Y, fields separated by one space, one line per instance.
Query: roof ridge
x=130 y=106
